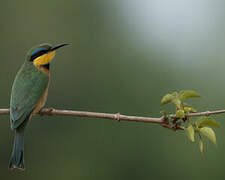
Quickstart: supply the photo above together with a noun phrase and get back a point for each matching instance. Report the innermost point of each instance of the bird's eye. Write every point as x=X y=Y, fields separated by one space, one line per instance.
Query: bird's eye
x=38 y=52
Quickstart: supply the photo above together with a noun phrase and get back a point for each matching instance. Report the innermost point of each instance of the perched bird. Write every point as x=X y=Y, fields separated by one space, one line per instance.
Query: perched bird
x=29 y=94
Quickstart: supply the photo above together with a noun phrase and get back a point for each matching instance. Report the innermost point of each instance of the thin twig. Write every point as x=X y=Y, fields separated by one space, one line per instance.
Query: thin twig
x=119 y=117
x=205 y=113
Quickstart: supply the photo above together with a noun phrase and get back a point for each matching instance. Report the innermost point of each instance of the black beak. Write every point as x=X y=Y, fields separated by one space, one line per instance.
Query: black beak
x=58 y=46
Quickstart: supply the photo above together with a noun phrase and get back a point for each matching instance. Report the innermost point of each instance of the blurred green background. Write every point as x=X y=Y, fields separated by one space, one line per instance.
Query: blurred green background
x=123 y=57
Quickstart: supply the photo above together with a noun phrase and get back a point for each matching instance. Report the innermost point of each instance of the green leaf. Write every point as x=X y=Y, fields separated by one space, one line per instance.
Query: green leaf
x=177 y=102
x=209 y=133
x=189 y=109
x=190 y=132
x=201 y=145
x=185 y=105
x=192 y=110
x=175 y=94
x=180 y=114
x=167 y=99
x=186 y=94
x=209 y=122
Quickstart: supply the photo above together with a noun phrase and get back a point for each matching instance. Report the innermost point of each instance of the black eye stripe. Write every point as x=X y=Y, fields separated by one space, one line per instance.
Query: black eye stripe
x=39 y=53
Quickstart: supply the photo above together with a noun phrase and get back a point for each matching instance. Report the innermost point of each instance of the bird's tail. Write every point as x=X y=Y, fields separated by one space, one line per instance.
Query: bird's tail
x=17 y=159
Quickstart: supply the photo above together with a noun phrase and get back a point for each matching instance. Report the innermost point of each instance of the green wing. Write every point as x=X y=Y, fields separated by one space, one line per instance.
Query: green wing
x=28 y=88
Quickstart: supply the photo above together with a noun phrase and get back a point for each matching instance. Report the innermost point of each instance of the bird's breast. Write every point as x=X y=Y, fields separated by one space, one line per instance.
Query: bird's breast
x=42 y=101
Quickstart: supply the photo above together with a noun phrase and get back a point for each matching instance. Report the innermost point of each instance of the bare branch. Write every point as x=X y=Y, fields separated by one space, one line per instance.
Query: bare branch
x=119 y=117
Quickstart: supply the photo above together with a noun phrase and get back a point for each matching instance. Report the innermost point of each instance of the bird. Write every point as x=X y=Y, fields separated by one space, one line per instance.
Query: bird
x=28 y=95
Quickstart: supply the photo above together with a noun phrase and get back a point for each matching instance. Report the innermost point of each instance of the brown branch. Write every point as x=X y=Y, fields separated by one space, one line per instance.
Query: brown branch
x=119 y=117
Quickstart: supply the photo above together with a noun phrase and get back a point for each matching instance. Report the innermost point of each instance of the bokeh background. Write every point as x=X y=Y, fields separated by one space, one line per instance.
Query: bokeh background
x=123 y=57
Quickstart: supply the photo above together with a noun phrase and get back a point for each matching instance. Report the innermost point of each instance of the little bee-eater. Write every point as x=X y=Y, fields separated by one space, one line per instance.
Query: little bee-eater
x=29 y=94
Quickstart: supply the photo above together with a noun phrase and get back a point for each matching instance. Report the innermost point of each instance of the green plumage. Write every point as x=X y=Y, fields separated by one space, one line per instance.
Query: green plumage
x=28 y=88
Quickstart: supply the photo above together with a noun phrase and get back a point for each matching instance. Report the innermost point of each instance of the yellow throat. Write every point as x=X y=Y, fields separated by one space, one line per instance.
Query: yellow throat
x=44 y=59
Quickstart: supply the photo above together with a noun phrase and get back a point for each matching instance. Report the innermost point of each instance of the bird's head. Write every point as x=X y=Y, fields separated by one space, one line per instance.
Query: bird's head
x=43 y=53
